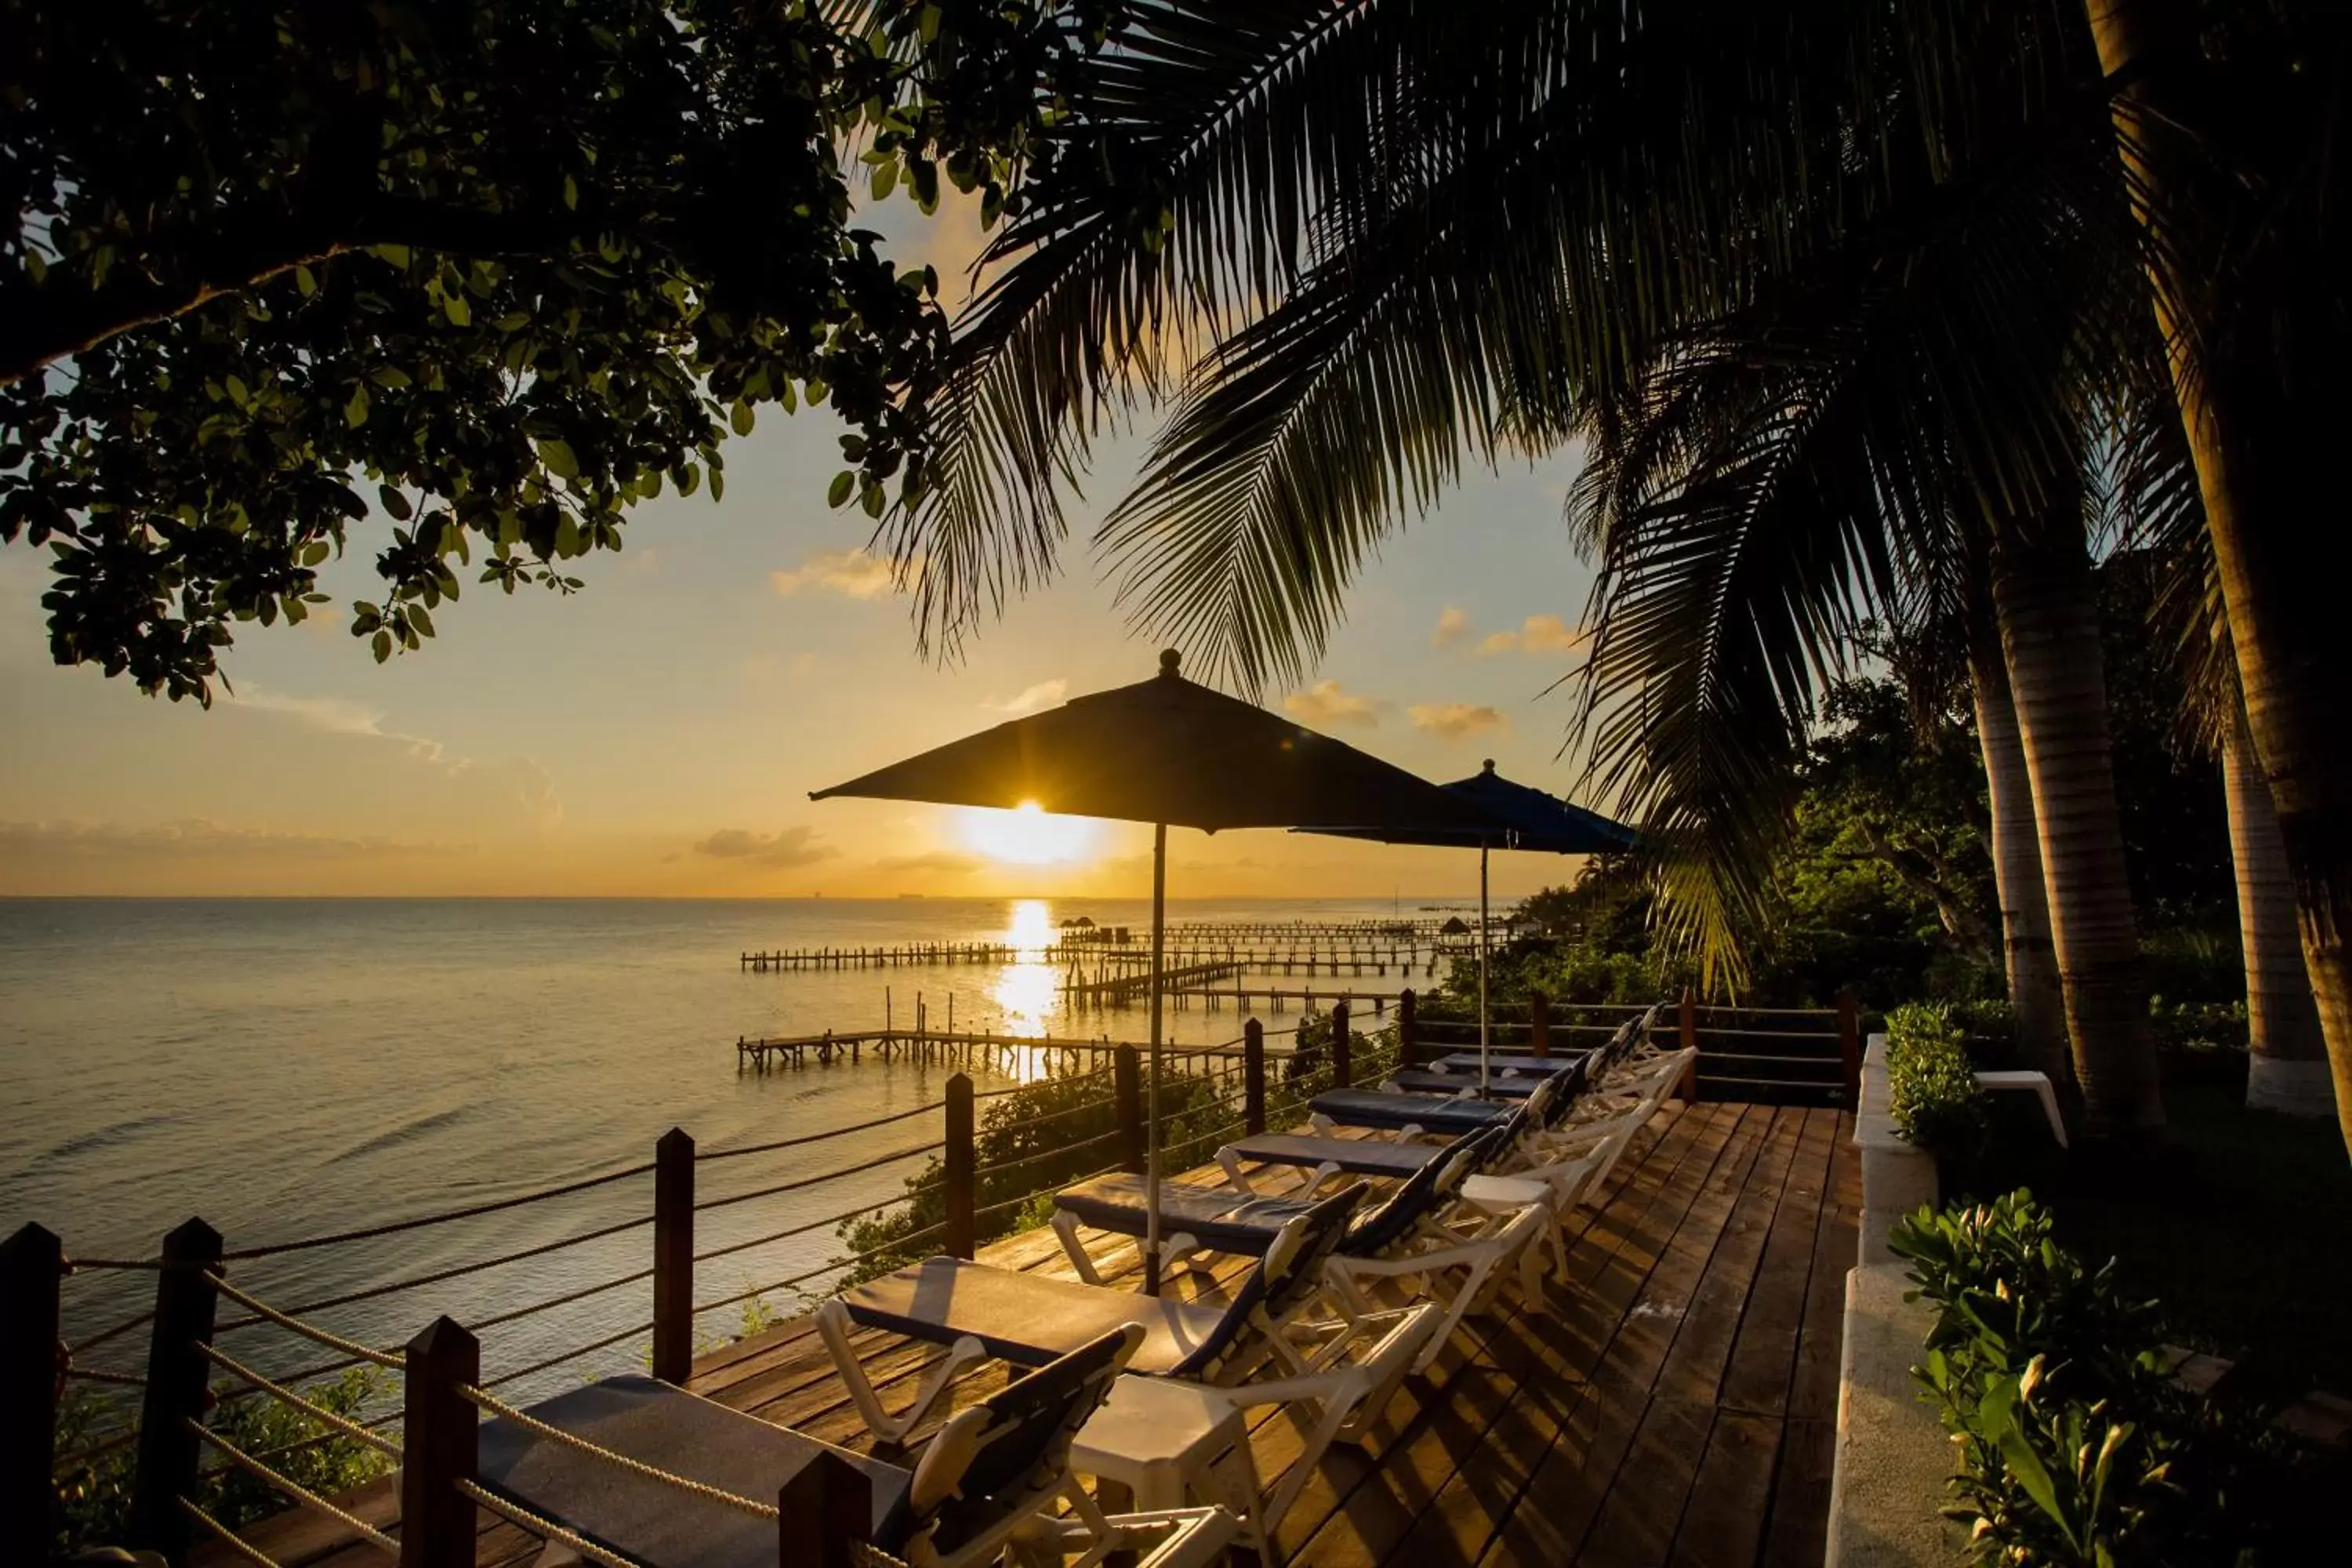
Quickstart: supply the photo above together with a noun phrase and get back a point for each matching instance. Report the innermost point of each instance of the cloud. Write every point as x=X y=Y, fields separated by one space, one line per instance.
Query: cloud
x=1045 y=694
x=195 y=837
x=787 y=847
x=1537 y=634
x=942 y=862
x=1453 y=625
x=517 y=779
x=1325 y=702
x=1454 y=720
x=852 y=574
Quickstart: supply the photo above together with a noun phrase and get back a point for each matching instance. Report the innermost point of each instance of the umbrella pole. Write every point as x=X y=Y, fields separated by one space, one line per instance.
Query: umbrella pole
x=1482 y=969
x=1151 y=1097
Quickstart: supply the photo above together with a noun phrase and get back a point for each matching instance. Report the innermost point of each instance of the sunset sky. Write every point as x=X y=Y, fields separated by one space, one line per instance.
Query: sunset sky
x=658 y=733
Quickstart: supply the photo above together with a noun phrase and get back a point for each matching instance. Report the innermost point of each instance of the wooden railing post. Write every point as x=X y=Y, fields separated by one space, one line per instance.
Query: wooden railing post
x=1127 y=1086
x=958 y=1159
x=674 y=1257
x=1849 y=1023
x=178 y=1374
x=31 y=1263
x=1539 y=1023
x=439 y=1433
x=1343 y=1061
x=822 y=1512
x=1406 y=1044
x=1253 y=1077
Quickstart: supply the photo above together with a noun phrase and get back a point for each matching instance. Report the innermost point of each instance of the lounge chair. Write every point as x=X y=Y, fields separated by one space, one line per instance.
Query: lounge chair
x=1326 y=1157
x=990 y=1478
x=1408 y=1113
x=1498 y=1086
x=979 y=1311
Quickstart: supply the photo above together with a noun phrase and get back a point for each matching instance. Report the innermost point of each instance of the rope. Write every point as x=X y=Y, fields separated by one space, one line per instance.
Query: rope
x=866 y=1554
x=608 y=1341
x=815 y=1137
x=386 y=1419
x=371 y=1232
x=225 y=1536
x=1042 y=1155
x=332 y=1342
x=579 y=1444
x=83 y=1455
x=317 y=1412
x=115 y=1332
x=804 y=1181
x=118 y=1379
x=835 y=1267
x=735 y=1247
x=74 y=1265
x=1091 y=1105
x=564 y=1300
x=546 y=1528
x=301 y=1494
x=373 y=1291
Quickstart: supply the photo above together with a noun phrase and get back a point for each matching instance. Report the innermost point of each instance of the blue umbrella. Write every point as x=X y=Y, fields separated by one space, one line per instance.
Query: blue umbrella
x=1523 y=818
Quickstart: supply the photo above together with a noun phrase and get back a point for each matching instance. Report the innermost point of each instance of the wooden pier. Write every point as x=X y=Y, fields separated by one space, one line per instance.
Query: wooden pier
x=1241 y=996
x=1309 y=959
x=901 y=955
x=1120 y=990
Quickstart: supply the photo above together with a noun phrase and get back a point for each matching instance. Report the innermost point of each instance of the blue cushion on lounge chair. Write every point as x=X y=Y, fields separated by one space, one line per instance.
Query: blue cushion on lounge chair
x=687 y=1434
x=1498 y=1086
x=1356 y=1156
x=1221 y=1221
x=1374 y=1108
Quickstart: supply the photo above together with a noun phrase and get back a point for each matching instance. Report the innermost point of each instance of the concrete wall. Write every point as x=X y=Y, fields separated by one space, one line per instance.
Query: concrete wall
x=1892 y=1452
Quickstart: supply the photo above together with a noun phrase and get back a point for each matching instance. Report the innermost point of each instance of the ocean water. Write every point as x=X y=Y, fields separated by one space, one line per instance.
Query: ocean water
x=290 y=1069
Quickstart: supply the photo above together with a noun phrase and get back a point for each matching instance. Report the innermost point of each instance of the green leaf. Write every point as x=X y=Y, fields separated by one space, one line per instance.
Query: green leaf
x=394 y=502
x=558 y=459
x=454 y=306
x=844 y=485
x=420 y=620
x=382 y=644
x=742 y=419
x=355 y=412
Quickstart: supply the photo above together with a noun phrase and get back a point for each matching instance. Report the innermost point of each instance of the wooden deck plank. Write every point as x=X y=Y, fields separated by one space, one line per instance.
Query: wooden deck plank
x=1673 y=1399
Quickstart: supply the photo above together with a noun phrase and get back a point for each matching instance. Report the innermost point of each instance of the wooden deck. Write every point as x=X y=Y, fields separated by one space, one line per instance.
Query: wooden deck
x=1675 y=1403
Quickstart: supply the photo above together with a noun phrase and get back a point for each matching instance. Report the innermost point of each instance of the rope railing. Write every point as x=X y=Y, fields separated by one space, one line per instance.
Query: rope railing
x=394 y=1227
x=287 y=1396
x=1084 y=1107
x=489 y=1404
x=803 y=1229
x=1044 y=1154
x=439 y=1276
x=310 y=1331
x=227 y=1537
x=805 y=1182
x=293 y=1491
x=704 y=1156
x=607 y=1342
x=546 y=1528
x=139 y=1320
x=897 y=1243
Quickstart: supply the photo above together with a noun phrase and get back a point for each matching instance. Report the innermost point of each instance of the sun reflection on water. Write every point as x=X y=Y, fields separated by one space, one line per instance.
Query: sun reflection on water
x=1028 y=992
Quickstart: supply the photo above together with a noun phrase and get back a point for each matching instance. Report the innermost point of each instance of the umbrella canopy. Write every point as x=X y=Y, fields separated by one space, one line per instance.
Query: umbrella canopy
x=1520 y=818
x=1517 y=817
x=1171 y=751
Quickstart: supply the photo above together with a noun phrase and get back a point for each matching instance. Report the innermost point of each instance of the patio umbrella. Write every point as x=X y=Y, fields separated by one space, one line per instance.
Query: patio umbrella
x=1519 y=817
x=1169 y=751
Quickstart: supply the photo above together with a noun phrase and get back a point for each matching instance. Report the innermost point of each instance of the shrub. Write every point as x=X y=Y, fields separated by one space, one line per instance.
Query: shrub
x=2075 y=1445
x=1931 y=1088
x=93 y=1496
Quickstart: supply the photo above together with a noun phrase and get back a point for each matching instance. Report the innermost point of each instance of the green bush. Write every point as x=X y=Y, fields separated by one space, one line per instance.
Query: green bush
x=1931 y=1088
x=93 y=1496
x=2075 y=1445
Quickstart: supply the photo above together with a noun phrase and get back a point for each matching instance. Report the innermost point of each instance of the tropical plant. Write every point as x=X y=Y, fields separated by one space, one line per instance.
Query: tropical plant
x=1931 y=1087
x=470 y=277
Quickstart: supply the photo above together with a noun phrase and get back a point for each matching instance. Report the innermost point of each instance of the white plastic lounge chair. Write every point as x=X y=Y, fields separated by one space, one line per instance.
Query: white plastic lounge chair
x=979 y=1311
x=990 y=1478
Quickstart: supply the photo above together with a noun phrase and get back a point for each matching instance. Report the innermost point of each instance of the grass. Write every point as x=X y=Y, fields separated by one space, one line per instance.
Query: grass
x=2238 y=1231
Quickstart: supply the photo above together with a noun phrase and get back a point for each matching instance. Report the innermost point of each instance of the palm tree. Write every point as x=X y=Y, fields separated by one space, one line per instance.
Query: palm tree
x=1361 y=245
x=2287 y=1069
x=2030 y=961
x=2229 y=129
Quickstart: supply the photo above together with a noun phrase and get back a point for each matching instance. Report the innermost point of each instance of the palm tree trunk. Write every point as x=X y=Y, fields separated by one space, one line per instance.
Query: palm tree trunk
x=2288 y=1069
x=2050 y=636
x=2035 y=994
x=2249 y=438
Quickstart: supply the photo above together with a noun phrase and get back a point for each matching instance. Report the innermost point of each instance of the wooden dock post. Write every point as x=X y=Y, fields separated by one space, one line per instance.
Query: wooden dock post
x=178 y=1374
x=438 y=1447
x=32 y=1265
x=1343 y=1064
x=1127 y=1088
x=1406 y=1044
x=1849 y=1023
x=1686 y=1033
x=823 y=1514
x=1253 y=1077
x=1539 y=1023
x=674 y=1257
x=959 y=1160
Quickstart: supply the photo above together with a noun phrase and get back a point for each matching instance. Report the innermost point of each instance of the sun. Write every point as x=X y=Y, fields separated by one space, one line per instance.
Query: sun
x=1027 y=834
